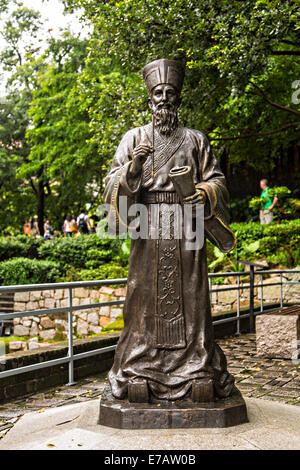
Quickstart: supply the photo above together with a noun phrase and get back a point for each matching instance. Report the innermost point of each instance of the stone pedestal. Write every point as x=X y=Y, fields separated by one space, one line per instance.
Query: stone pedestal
x=278 y=333
x=185 y=413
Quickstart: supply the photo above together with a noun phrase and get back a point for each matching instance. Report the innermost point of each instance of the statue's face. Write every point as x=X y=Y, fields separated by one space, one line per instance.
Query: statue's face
x=164 y=102
x=164 y=95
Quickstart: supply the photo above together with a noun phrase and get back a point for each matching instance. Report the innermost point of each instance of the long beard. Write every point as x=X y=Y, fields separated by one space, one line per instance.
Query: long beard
x=165 y=119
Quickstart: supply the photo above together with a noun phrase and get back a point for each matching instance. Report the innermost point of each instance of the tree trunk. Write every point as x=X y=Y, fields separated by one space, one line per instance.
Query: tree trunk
x=41 y=206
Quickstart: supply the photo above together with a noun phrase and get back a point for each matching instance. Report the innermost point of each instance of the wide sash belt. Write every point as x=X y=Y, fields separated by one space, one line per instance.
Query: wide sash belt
x=156 y=197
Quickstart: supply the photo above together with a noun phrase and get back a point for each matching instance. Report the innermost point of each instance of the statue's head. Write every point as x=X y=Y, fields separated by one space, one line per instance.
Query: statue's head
x=164 y=80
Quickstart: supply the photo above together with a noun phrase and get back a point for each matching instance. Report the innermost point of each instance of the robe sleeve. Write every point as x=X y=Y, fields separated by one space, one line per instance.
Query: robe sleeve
x=216 y=212
x=119 y=182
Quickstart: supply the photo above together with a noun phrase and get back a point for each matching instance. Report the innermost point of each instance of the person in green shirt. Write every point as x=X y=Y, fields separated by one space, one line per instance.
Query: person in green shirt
x=266 y=214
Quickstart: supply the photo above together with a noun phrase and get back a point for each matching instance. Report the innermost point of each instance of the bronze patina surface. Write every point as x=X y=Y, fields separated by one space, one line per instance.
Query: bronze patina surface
x=184 y=413
x=167 y=350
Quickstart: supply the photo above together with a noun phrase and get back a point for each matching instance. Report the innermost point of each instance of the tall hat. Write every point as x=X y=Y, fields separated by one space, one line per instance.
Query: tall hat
x=163 y=71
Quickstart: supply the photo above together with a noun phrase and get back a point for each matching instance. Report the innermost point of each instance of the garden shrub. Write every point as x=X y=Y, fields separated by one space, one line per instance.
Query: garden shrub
x=28 y=271
x=89 y=257
x=115 y=326
x=276 y=243
x=86 y=251
x=18 y=247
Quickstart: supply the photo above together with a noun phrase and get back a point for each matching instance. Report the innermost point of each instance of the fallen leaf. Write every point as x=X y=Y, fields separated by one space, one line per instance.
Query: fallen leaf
x=51 y=445
x=41 y=410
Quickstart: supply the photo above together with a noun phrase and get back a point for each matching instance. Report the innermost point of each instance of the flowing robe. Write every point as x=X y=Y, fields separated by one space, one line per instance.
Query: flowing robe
x=168 y=334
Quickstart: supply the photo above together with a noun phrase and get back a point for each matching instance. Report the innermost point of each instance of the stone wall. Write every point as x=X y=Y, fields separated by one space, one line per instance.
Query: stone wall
x=40 y=379
x=51 y=327
x=223 y=302
x=55 y=326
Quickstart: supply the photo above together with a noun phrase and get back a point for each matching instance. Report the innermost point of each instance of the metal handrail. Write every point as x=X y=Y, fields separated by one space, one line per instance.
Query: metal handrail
x=71 y=357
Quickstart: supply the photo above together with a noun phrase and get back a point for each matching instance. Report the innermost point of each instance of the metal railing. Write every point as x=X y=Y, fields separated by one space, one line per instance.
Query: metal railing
x=71 y=357
x=252 y=286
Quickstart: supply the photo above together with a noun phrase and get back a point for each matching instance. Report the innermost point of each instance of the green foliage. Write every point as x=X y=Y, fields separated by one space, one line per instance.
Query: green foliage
x=284 y=207
x=20 y=246
x=256 y=203
x=27 y=271
x=276 y=243
x=68 y=107
x=8 y=339
x=80 y=258
x=239 y=210
x=60 y=133
x=78 y=251
x=279 y=191
x=110 y=270
x=241 y=62
x=19 y=57
x=114 y=327
x=256 y=241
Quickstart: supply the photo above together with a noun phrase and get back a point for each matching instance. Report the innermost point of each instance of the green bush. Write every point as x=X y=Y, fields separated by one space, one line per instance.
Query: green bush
x=285 y=208
x=276 y=243
x=86 y=251
x=18 y=247
x=240 y=210
x=110 y=270
x=11 y=249
x=27 y=271
x=115 y=326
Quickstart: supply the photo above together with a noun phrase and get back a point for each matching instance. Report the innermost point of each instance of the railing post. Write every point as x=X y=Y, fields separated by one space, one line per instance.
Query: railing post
x=238 y=331
x=70 y=327
x=210 y=294
x=261 y=293
x=281 y=291
x=251 y=298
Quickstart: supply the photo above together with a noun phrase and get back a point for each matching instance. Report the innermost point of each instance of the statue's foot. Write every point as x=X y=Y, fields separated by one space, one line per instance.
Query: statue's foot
x=202 y=390
x=138 y=391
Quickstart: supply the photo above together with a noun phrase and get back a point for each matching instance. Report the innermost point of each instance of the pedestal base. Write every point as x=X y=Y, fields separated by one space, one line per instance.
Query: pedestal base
x=221 y=413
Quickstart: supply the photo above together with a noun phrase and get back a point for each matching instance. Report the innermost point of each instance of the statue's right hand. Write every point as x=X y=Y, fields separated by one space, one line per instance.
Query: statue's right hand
x=139 y=155
x=141 y=152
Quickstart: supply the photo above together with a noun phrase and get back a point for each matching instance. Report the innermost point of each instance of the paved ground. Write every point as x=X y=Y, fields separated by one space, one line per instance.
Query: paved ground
x=271 y=426
x=265 y=379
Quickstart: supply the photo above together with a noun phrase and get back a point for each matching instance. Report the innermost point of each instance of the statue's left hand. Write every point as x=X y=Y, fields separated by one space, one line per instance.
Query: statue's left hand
x=197 y=198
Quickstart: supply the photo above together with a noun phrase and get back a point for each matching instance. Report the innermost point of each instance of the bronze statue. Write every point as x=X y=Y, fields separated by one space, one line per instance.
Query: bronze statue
x=167 y=351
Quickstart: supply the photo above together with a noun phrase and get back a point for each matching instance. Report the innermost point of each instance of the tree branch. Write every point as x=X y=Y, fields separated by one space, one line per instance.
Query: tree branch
x=297 y=53
x=262 y=94
x=259 y=134
x=287 y=41
x=33 y=187
x=47 y=185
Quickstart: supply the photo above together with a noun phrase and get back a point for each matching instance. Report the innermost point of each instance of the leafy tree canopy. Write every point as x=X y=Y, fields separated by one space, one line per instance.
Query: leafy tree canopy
x=241 y=60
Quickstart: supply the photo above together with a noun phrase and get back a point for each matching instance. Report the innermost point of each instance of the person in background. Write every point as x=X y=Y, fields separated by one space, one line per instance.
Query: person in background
x=26 y=228
x=74 y=228
x=48 y=230
x=82 y=223
x=91 y=224
x=34 y=228
x=68 y=223
x=266 y=214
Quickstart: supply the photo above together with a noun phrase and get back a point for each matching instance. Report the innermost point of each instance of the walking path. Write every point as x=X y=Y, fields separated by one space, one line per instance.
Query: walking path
x=266 y=382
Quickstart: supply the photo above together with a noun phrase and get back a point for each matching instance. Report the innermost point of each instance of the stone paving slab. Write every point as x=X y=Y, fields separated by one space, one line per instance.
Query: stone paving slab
x=272 y=426
x=273 y=379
